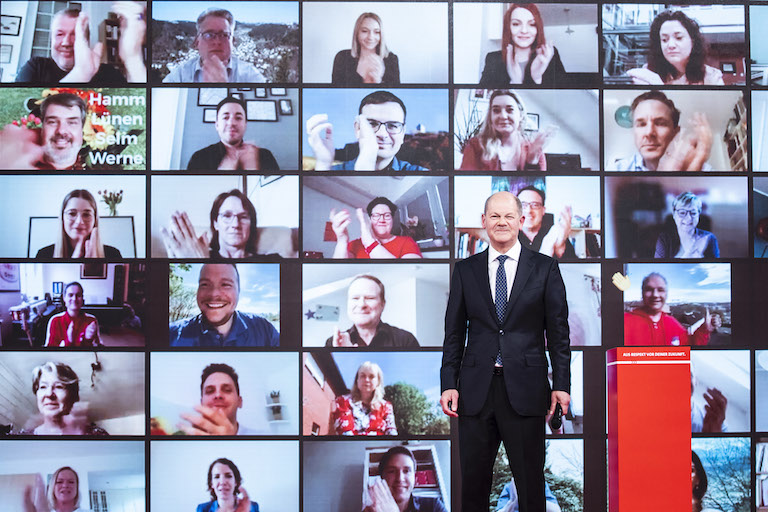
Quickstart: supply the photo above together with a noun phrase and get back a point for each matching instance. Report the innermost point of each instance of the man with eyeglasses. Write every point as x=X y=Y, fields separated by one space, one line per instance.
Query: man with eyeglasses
x=660 y=142
x=380 y=131
x=214 y=42
x=539 y=232
x=219 y=324
x=232 y=153
x=73 y=60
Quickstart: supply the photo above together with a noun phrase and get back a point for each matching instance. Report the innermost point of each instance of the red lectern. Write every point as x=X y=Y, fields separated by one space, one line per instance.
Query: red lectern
x=649 y=429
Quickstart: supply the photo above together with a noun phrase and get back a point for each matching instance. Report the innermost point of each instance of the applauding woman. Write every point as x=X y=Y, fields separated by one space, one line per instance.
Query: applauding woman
x=369 y=61
x=676 y=54
x=502 y=144
x=79 y=233
x=525 y=56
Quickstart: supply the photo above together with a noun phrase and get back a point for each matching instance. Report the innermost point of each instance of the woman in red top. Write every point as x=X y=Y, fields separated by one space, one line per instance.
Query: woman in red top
x=376 y=238
x=364 y=412
x=73 y=327
x=502 y=144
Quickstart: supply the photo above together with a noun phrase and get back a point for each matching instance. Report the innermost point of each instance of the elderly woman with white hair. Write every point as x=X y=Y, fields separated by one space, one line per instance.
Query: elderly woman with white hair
x=364 y=412
x=57 y=389
x=687 y=240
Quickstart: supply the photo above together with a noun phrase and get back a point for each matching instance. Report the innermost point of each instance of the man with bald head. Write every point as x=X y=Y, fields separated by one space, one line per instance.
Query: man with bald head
x=502 y=304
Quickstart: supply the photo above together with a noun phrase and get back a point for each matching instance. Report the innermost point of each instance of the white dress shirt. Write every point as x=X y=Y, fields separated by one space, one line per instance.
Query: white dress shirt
x=510 y=267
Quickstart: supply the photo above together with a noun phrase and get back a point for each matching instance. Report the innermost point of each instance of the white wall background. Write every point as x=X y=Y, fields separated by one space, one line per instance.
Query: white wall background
x=175 y=386
x=727 y=371
x=573 y=112
x=416 y=32
x=761 y=390
x=760 y=130
x=477 y=30
x=122 y=460
x=270 y=471
x=416 y=296
x=22 y=197
x=717 y=105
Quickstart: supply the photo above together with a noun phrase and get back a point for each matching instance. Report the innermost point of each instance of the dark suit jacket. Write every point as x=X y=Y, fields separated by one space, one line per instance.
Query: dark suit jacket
x=495 y=72
x=536 y=305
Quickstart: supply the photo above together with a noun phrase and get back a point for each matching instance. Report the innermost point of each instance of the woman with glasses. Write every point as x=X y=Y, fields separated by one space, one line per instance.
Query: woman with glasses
x=79 y=233
x=376 y=238
x=369 y=61
x=74 y=327
x=686 y=240
x=233 y=232
x=501 y=144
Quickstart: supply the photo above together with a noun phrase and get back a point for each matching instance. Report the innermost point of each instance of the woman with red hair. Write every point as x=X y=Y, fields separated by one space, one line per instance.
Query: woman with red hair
x=525 y=56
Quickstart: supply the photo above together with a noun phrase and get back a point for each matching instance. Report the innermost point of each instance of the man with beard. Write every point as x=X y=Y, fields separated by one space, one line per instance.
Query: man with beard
x=380 y=132
x=660 y=142
x=219 y=324
x=232 y=153
x=73 y=60
x=56 y=146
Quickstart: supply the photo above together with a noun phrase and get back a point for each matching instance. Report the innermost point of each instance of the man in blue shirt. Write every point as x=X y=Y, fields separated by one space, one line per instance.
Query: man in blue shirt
x=219 y=324
x=661 y=144
x=214 y=41
x=380 y=131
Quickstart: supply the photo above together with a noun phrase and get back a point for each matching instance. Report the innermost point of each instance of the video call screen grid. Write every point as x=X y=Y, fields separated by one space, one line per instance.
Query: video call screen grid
x=152 y=158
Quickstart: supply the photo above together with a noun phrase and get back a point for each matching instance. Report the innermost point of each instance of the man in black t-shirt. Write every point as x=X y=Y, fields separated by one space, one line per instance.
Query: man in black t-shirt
x=73 y=60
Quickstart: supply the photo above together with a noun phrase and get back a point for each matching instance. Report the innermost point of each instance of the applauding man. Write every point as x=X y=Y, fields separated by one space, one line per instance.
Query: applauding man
x=232 y=153
x=380 y=132
x=219 y=401
x=73 y=60
x=214 y=41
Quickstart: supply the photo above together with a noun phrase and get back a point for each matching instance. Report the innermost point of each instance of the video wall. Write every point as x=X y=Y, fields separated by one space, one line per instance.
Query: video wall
x=239 y=220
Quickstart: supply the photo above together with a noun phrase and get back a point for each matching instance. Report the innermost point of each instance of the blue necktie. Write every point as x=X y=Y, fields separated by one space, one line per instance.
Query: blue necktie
x=501 y=296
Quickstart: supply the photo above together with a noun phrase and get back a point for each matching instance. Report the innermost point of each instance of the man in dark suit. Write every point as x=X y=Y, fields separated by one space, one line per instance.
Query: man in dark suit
x=506 y=298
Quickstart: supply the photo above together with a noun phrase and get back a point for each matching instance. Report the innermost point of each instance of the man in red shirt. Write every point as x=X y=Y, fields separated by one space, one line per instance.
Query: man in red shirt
x=650 y=325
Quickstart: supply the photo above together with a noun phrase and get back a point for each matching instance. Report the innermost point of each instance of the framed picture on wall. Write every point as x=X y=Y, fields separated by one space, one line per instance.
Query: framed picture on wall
x=93 y=271
x=278 y=91
x=260 y=92
x=210 y=96
x=10 y=25
x=261 y=110
x=532 y=122
x=286 y=108
x=209 y=115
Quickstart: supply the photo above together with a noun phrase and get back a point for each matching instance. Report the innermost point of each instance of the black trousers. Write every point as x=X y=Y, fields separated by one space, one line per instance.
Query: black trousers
x=479 y=439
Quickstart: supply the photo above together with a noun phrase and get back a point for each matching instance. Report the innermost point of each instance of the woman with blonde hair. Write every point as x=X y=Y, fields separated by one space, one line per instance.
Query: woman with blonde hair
x=63 y=494
x=57 y=389
x=369 y=61
x=79 y=231
x=502 y=144
x=364 y=412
